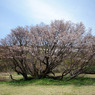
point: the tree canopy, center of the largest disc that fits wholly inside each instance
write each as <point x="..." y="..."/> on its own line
<point x="40" y="50"/>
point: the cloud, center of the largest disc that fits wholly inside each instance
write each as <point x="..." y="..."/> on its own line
<point x="37" y="10"/>
<point x="42" y="11"/>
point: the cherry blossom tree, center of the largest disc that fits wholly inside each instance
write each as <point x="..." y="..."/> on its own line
<point x="39" y="50"/>
<point x="16" y="51"/>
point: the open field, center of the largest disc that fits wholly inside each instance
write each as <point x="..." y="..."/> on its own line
<point x="6" y="89"/>
<point x="78" y="86"/>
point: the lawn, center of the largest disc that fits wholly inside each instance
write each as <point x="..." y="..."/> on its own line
<point x="79" y="86"/>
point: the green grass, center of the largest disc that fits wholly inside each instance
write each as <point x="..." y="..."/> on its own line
<point x="80" y="81"/>
<point x="79" y="86"/>
<point x="32" y="89"/>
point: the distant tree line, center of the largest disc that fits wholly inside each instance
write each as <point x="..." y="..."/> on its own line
<point x="41" y="50"/>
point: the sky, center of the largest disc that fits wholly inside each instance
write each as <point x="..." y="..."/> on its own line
<point x="15" y="13"/>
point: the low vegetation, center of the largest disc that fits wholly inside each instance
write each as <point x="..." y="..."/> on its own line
<point x="6" y="89"/>
<point x="82" y="85"/>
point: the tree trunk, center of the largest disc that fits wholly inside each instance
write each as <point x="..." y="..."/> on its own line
<point x="25" y="76"/>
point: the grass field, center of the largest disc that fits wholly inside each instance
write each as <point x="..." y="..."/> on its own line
<point x="79" y="86"/>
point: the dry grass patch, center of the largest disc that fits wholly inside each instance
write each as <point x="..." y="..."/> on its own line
<point x="6" y="89"/>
